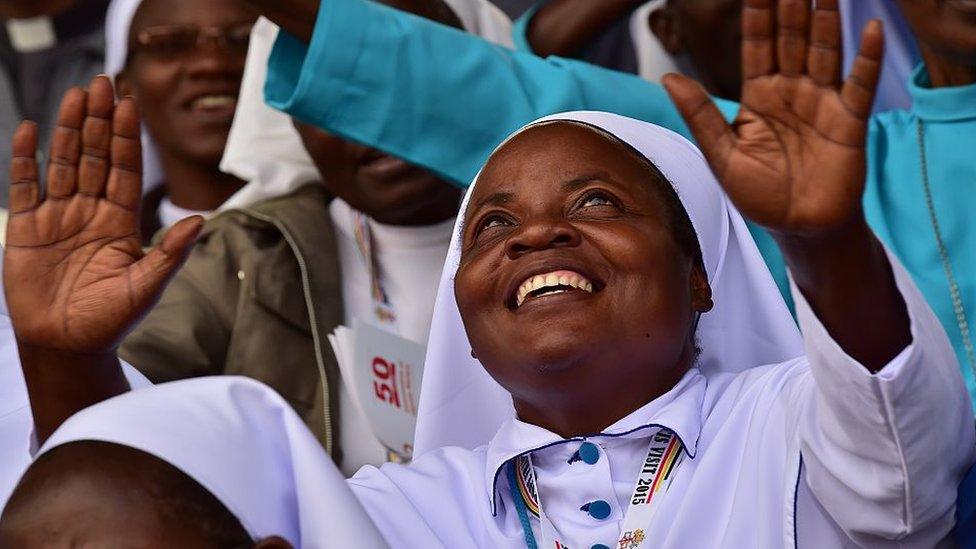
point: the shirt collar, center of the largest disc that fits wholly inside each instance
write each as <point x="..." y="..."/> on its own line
<point x="679" y="410"/>
<point x="940" y="104"/>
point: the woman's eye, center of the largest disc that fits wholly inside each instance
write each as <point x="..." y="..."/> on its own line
<point x="492" y="222"/>
<point x="596" y="199"/>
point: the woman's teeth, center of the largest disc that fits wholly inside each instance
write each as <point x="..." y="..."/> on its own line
<point x="552" y="283"/>
<point x="214" y="102"/>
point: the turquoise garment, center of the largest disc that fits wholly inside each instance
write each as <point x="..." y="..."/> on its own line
<point x="383" y="77"/>
<point x="443" y="99"/>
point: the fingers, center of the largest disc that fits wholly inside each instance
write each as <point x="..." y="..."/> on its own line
<point x="25" y="191"/>
<point x="758" y="52"/>
<point x="824" y="57"/>
<point x="713" y="134"/>
<point x="96" y="137"/>
<point x="150" y="274"/>
<point x="857" y="94"/>
<point x="66" y="145"/>
<point x="792" y="18"/>
<point x="125" y="175"/>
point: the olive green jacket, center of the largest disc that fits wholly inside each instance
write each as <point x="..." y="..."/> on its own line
<point x="257" y="297"/>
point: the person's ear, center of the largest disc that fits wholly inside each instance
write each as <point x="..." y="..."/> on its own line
<point x="664" y="25"/>
<point x="701" y="291"/>
<point x="274" y="542"/>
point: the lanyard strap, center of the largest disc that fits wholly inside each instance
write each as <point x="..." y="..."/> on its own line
<point x="382" y="308"/>
<point x="664" y="455"/>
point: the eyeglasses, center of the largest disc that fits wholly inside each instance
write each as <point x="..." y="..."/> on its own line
<point x="171" y="41"/>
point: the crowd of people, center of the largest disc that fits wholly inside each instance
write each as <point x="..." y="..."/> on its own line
<point x="682" y="273"/>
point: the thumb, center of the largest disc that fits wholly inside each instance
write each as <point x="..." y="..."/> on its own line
<point x="714" y="136"/>
<point x="150" y="274"/>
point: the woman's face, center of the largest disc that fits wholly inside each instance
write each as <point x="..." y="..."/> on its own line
<point x="187" y="95"/>
<point x="570" y="209"/>
<point x="383" y="187"/>
<point x="947" y="27"/>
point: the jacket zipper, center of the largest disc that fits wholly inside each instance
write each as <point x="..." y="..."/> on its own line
<point x="312" y="320"/>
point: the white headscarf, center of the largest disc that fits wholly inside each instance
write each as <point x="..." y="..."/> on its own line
<point x="264" y="148"/>
<point x="118" y="21"/>
<point x="461" y="405"/>
<point x="900" y="56"/>
<point x="242" y="442"/>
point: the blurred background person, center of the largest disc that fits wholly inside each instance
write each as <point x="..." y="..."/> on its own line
<point x="46" y="46"/>
<point x="699" y="38"/>
<point x="286" y="260"/>
<point x="182" y="61"/>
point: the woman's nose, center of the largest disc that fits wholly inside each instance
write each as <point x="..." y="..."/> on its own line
<point x="541" y="235"/>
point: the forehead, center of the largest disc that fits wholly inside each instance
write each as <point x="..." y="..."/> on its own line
<point x="195" y="12"/>
<point x="544" y="157"/>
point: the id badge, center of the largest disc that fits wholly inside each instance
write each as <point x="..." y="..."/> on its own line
<point x="383" y="372"/>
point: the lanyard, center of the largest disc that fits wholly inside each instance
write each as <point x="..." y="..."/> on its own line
<point x="664" y="455"/>
<point x="382" y="308"/>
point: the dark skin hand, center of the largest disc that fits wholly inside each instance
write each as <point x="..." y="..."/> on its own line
<point x="794" y="162"/>
<point x="75" y="273"/>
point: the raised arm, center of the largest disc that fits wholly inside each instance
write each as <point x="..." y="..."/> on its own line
<point x="884" y="424"/>
<point x="75" y="275"/>
<point x="794" y="162"/>
<point x="565" y="27"/>
<point x="433" y="95"/>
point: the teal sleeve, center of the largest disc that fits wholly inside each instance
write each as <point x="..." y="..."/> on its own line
<point x="520" y="30"/>
<point x="436" y="96"/>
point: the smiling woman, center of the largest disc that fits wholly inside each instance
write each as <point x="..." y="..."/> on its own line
<point x="669" y="403"/>
<point x="183" y="62"/>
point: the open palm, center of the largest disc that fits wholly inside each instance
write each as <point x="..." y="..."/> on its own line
<point x="75" y="274"/>
<point x="793" y="160"/>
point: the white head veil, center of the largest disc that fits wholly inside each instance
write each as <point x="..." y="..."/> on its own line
<point x="264" y="148"/>
<point x="242" y="442"/>
<point x="461" y="405"/>
<point x="118" y="21"/>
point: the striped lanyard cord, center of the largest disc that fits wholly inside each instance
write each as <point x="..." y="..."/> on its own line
<point x="383" y="311"/>
<point x="954" y="294"/>
<point x="664" y="455"/>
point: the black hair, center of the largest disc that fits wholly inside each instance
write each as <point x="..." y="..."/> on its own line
<point x="181" y="499"/>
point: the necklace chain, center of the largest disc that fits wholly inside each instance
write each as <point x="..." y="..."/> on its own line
<point x="957" y="304"/>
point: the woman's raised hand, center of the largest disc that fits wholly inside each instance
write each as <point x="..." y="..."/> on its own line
<point x="75" y="275"/>
<point x="794" y="158"/>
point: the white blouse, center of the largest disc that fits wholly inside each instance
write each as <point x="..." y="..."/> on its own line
<point x="816" y="452"/>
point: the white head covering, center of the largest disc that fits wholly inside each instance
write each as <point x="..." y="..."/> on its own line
<point x="461" y="405"/>
<point x="118" y="21"/>
<point x="264" y="148"/>
<point x="243" y="443"/>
